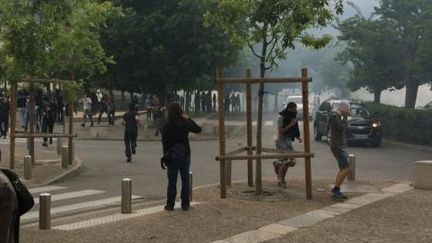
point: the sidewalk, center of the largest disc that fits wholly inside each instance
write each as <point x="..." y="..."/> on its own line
<point x="375" y="212"/>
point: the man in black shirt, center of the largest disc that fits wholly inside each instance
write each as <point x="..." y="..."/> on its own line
<point x="131" y="123"/>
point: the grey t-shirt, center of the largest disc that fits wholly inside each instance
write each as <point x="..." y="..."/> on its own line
<point x="338" y="130"/>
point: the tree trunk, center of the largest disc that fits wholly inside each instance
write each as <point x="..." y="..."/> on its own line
<point x="411" y="94"/>
<point x="377" y="96"/>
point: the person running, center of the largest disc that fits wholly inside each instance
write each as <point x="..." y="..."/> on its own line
<point x="338" y="125"/>
<point x="177" y="154"/>
<point x="288" y="131"/>
<point x="131" y="123"/>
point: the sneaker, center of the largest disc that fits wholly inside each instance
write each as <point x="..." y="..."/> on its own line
<point x="129" y="159"/>
<point x="133" y="150"/>
<point x="338" y="195"/>
<point x="44" y="144"/>
<point x="169" y="208"/>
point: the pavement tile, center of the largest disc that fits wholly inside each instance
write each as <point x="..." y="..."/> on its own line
<point x="253" y="236"/>
<point x="397" y="188"/>
<point x="303" y="220"/>
<point x="336" y="210"/>
<point x="277" y="229"/>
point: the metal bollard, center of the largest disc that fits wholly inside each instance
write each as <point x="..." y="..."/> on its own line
<point x="351" y="176"/>
<point x="145" y="130"/>
<point x="190" y="185"/>
<point x="45" y="211"/>
<point x="65" y="157"/>
<point x="27" y="167"/>
<point x="59" y="146"/>
<point x="73" y="153"/>
<point x="126" y="198"/>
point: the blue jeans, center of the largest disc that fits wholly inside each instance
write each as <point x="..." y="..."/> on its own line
<point x="172" y="172"/>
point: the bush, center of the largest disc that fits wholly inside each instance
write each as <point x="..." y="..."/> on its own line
<point x="405" y="125"/>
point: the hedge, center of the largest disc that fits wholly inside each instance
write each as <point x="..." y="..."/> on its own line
<point x="405" y="125"/>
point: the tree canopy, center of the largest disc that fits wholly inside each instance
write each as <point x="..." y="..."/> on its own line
<point x="161" y="46"/>
<point x="46" y="39"/>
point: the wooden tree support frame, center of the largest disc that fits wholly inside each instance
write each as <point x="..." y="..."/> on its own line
<point x="31" y="134"/>
<point x="225" y="158"/>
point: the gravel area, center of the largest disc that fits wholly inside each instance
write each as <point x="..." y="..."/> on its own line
<point x="216" y="219"/>
<point x="402" y="218"/>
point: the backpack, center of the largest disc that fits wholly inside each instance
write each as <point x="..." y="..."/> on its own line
<point x="25" y="198"/>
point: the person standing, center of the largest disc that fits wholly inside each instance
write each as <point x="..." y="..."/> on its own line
<point x="4" y="117"/>
<point x="131" y="123"/>
<point x="288" y="131"/>
<point x="48" y="119"/>
<point x="87" y="110"/>
<point x="338" y="125"/>
<point x="175" y="141"/>
<point x="158" y="112"/>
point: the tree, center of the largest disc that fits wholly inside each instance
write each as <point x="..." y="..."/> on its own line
<point x="162" y="46"/>
<point x="269" y="27"/>
<point x="412" y="22"/>
<point x="371" y="48"/>
<point x="44" y="39"/>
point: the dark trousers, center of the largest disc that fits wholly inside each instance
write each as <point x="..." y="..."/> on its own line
<point x="130" y="137"/>
<point x="47" y="127"/>
<point x="173" y="171"/>
<point x="4" y="125"/>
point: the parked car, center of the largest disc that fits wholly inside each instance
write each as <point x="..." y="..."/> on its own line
<point x="298" y="99"/>
<point x="362" y="125"/>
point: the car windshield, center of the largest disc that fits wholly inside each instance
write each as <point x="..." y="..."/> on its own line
<point x="358" y="110"/>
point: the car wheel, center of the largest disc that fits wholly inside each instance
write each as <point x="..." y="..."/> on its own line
<point x="377" y="142"/>
<point x="317" y="134"/>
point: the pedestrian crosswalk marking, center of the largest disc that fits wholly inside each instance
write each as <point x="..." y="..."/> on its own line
<point x="70" y="195"/>
<point x="45" y="189"/>
<point x="81" y="206"/>
<point x="112" y="218"/>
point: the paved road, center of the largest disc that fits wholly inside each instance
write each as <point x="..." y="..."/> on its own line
<point x="105" y="164"/>
<point x="99" y="184"/>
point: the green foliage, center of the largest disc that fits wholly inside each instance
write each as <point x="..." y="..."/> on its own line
<point x="48" y="38"/>
<point x="72" y="90"/>
<point x="274" y="25"/>
<point x="412" y="22"/>
<point x="160" y="45"/>
<point x="370" y="48"/>
<point x="403" y="124"/>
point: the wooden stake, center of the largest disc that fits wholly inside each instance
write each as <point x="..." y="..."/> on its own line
<point x="249" y="127"/>
<point x="70" y="139"/>
<point x="308" y="174"/>
<point x="258" y="166"/>
<point x="31" y="112"/>
<point x="221" y="107"/>
<point x="13" y="111"/>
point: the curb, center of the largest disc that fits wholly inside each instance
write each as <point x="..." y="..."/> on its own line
<point x="75" y="170"/>
<point x="409" y="145"/>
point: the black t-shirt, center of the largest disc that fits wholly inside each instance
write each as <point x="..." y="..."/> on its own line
<point x="130" y="120"/>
